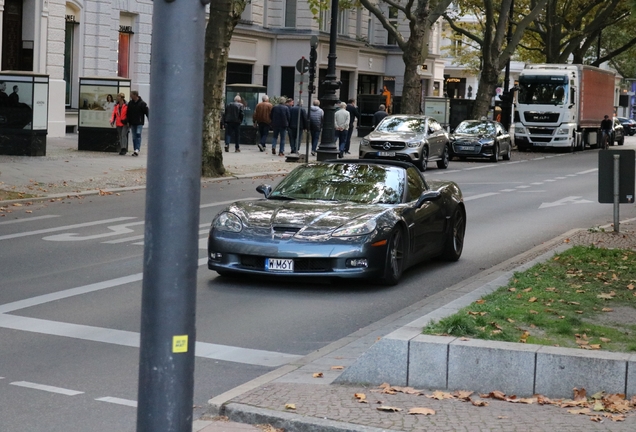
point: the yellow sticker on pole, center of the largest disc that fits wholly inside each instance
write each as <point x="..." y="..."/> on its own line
<point x="180" y="343"/>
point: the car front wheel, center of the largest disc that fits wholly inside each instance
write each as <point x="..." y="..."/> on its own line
<point x="495" y="154"/>
<point x="443" y="163"/>
<point x="508" y="154"/>
<point x="394" y="258"/>
<point x="422" y="164"/>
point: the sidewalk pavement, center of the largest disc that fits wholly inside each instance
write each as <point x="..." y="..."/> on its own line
<point x="317" y="403"/>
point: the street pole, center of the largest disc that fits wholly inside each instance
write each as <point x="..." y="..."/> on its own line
<point x="313" y="57"/>
<point x="327" y="148"/>
<point x="171" y="237"/>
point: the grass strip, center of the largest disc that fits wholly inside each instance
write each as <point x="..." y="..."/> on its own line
<point x="584" y="297"/>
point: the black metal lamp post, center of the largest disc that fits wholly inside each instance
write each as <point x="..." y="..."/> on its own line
<point x="327" y="148"/>
<point x="507" y="95"/>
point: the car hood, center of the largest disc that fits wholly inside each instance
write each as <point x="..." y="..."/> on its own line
<point x="309" y="216"/>
<point x="395" y="136"/>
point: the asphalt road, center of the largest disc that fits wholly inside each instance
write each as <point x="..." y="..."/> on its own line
<point x="70" y="292"/>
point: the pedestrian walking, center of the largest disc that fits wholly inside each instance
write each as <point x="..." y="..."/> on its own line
<point x="233" y="117"/>
<point x="297" y="124"/>
<point x="137" y="111"/>
<point x="280" y="123"/>
<point x="316" y="118"/>
<point x="379" y="115"/>
<point x="119" y="119"/>
<point x="354" y="115"/>
<point x="263" y="119"/>
<point x="341" y="119"/>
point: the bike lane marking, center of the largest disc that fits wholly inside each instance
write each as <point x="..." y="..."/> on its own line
<point x="63" y="228"/>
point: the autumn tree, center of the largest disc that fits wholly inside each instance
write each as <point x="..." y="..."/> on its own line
<point x="490" y="35"/>
<point x="569" y="32"/>
<point x="224" y="15"/>
<point x="420" y="15"/>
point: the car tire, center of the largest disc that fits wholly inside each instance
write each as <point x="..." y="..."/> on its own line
<point x="495" y="154"/>
<point x="621" y="141"/>
<point x="454" y="244"/>
<point x="395" y="257"/>
<point x="507" y="154"/>
<point x="443" y="163"/>
<point x="422" y="164"/>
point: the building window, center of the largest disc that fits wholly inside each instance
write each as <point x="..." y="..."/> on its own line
<point x="287" y="75"/>
<point x="370" y="30"/>
<point x="393" y="15"/>
<point x="359" y="23"/>
<point x="456" y="42"/>
<point x="69" y="60"/>
<point x="265" y="75"/>
<point x="343" y="22"/>
<point x="325" y="19"/>
<point x="290" y="13"/>
<point x="238" y="73"/>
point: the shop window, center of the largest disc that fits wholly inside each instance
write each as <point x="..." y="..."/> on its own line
<point x="124" y="47"/>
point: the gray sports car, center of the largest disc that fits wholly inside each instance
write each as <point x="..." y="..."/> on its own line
<point x="341" y="218"/>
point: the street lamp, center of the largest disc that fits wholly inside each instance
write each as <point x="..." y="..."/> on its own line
<point x="327" y="148"/>
<point x="507" y="95"/>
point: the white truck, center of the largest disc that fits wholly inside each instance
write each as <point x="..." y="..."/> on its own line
<point x="562" y="106"/>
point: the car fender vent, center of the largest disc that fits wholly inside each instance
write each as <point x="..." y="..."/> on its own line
<point x="285" y="229"/>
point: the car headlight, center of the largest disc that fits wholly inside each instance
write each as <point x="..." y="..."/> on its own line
<point x="521" y="130"/>
<point x="364" y="142"/>
<point x="487" y="143"/>
<point x="563" y="131"/>
<point x="227" y="221"/>
<point x="355" y="228"/>
<point x="414" y="144"/>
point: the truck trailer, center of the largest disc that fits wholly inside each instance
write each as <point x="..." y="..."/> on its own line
<point x="562" y="105"/>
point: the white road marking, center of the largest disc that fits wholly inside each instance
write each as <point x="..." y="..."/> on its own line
<point x="484" y="195"/>
<point x="537" y="183"/>
<point x="28" y="219"/>
<point x="131" y="339"/>
<point x="508" y="190"/>
<point x="549" y="180"/>
<point x="115" y="230"/>
<point x="516" y="162"/>
<point x="565" y="201"/>
<point x="47" y="388"/>
<point x="214" y="204"/>
<point x="141" y="237"/>
<point x="478" y="167"/>
<point x="523" y="187"/>
<point x="118" y="401"/>
<point x="561" y="178"/>
<point x="588" y="171"/>
<point x="63" y="228"/>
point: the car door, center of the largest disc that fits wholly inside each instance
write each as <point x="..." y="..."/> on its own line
<point x="435" y="138"/>
<point x="426" y="221"/>
<point x="503" y="137"/>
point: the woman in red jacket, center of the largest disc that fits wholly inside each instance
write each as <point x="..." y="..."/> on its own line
<point x="119" y="119"/>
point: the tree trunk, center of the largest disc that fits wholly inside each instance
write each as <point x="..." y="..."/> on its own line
<point x="224" y="15"/>
<point x="412" y="89"/>
<point x="487" y="84"/>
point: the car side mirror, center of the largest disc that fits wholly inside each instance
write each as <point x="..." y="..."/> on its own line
<point x="265" y="189"/>
<point x="430" y="195"/>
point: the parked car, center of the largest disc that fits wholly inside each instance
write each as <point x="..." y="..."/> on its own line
<point x="340" y="219"/>
<point x="410" y="138"/>
<point x="629" y="125"/>
<point x="481" y="139"/>
<point x="618" y="133"/>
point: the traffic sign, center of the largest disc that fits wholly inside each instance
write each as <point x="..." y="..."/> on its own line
<point x="302" y="65"/>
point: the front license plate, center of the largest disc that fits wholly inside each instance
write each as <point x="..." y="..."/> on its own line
<point x="540" y="144"/>
<point x="386" y="154"/>
<point x="465" y="148"/>
<point x="279" y="265"/>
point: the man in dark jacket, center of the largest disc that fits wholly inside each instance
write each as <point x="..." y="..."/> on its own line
<point x="280" y="123"/>
<point x="379" y="115"/>
<point x="233" y="117"/>
<point x="353" y="115"/>
<point x="137" y="110"/>
<point x="297" y="124"/>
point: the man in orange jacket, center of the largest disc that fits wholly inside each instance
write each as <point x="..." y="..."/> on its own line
<point x="119" y="119"/>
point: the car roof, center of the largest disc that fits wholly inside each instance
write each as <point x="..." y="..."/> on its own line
<point x="384" y="162"/>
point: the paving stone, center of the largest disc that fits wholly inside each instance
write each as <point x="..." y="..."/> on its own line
<point x="428" y="361"/>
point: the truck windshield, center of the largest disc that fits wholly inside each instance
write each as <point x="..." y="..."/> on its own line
<point x="545" y="90"/>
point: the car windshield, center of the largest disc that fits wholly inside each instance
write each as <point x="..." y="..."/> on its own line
<point x="544" y="90"/>
<point x="475" y="128"/>
<point x="402" y="124"/>
<point x="360" y="183"/>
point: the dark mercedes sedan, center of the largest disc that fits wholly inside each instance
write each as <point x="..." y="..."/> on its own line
<point x="481" y="139"/>
<point x="340" y="219"/>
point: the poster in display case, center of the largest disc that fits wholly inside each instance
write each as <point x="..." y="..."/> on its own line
<point x="97" y="99"/>
<point x="24" y="108"/>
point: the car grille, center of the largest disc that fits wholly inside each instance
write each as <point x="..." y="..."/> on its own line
<point x="541" y="139"/>
<point x="380" y="145"/>
<point x="475" y="147"/>
<point x="538" y="117"/>
<point x="301" y="265"/>
<point x="541" y="131"/>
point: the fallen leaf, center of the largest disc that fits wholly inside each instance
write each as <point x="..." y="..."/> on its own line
<point x="502" y="417"/>
<point x="574" y="303"/>
<point x="16" y="205"/>
<point x="630" y="286"/>
<point x="496" y="395"/>
<point x="580" y="291"/>
<point x="360" y="396"/>
<point x="527" y="290"/>
<point x="496" y="332"/>
<point x="480" y="301"/>
<point x="579" y="411"/>
<point x="29" y="211"/>
<point x="533" y="312"/>
<point x="463" y="395"/>
<point x="551" y="289"/>
<point x="606" y="296"/>
<point x="512" y="289"/>
<point x="510" y="320"/>
<point x="440" y="395"/>
<point x="605" y="340"/>
<point x="598" y="406"/>
<point x="421" y="411"/>
<point x="479" y="402"/>
<point x="524" y="337"/>
<point x="337" y="367"/>
<point x="607" y="310"/>
<point x="579" y="394"/>
<point x="290" y="406"/>
<point x="388" y="408"/>
<point x="597" y="419"/>
<point x="464" y="339"/>
<point x="317" y="375"/>
<point x="532" y="299"/>
<point x="595" y="346"/>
